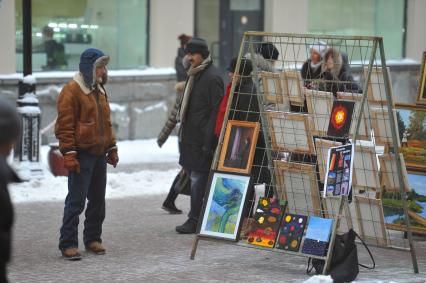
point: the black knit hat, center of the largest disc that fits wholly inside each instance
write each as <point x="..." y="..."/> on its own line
<point x="268" y="51"/>
<point x="197" y="45"/>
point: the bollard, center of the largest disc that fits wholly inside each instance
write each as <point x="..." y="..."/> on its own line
<point x="27" y="151"/>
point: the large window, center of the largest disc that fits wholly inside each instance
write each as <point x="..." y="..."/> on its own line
<point x="63" y="29"/>
<point x="361" y="17"/>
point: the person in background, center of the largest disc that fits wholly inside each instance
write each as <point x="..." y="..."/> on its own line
<point x="179" y="65"/>
<point x="55" y="52"/>
<point x="10" y="129"/>
<point x="197" y="114"/>
<point x="336" y="74"/>
<point x="265" y="57"/>
<point x="311" y="69"/>
<point x="169" y="203"/>
<point x="87" y="142"/>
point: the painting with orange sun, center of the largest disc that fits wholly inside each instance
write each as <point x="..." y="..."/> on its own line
<point x="340" y="118"/>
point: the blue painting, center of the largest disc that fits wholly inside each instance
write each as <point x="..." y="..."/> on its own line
<point x="224" y="205"/>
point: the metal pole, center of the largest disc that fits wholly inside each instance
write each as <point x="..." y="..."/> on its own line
<point x="27" y="32"/>
<point x="395" y="151"/>
<point x="364" y="91"/>
<point x="264" y="120"/>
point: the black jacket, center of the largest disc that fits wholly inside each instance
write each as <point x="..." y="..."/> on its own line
<point x="308" y="73"/>
<point x="7" y="175"/>
<point x="197" y="139"/>
<point x="245" y="106"/>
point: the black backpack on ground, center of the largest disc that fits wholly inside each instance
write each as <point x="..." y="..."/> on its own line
<point x="344" y="260"/>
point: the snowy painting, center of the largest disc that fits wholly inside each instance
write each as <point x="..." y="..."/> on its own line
<point x="224" y="206"/>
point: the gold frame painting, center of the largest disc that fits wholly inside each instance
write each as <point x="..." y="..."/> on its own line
<point x="371" y="220"/>
<point x="319" y="104"/>
<point x="290" y="132"/>
<point x="380" y="122"/>
<point x="293" y="87"/>
<point x="377" y="81"/>
<point x="421" y="90"/>
<point x="389" y="172"/>
<point x="410" y="119"/>
<point x="272" y="95"/>
<point x="302" y="193"/>
<point x="238" y="158"/>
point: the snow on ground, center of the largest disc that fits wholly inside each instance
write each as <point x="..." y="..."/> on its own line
<point x="119" y="185"/>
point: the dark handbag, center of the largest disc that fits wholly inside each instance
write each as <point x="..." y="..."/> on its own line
<point x="344" y="260"/>
<point x="182" y="183"/>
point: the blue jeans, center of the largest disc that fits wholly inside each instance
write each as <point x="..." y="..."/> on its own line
<point x="198" y="189"/>
<point x="90" y="184"/>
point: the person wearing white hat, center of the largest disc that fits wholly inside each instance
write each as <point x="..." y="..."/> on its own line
<point x="311" y="69"/>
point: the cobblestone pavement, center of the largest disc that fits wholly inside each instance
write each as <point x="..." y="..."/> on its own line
<point x="142" y="246"/>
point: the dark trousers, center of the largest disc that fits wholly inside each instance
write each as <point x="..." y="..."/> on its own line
<point x="3" y="277"/>
<point x="173" y="194"/>
<point x="198" y="189"/>
<point x="90" y="184"/>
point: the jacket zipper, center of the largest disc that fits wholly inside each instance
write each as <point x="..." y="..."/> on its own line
<point x="101" y="120"/>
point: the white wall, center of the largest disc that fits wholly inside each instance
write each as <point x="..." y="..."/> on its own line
<point x="287" y="16"/>
<point x="168" y="19"/>
<point x="7" y="32"/>
<point x="416" y="23"/>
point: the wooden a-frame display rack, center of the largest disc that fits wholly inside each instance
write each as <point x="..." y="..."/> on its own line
<point x="287" y="44"/>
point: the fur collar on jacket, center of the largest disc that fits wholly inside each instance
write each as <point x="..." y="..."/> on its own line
<point x="78" y="78"/>
<point x="337" y="59"/>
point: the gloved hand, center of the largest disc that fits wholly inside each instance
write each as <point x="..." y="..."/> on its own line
<point x="71" y="162"/>
<point x="112" y="157"/>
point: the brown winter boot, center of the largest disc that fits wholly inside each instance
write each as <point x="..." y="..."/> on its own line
<point x="96" y="248"/>
<point x="71" y="254"/>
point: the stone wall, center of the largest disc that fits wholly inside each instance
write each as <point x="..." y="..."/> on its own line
<point x="140" y="103"/>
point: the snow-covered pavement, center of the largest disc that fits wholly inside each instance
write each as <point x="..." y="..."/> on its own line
<point x="119" y="185"/>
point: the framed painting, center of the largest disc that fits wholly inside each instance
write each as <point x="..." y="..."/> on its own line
<point x="366" y="171"/>
<point x="319" y="105"/>
<point x="381" y="124"/>
<point x="290" y="132"/>
<point x="321" y="147"/>
<point x="224" y="205"/>
<point x="364" y="128"/>
<point x="293" y="87"/>
<point x="389" y="173"/>
<point x="411" y="120"/>
<point x="371" y="221"/>
<point x="416" y="200"/>
<point x="376" y="91"/>
<point x="239" y="145"/>
<point x="421" y="91"/>
<point x="297" y="184"/>
<point x="272" y="87"/>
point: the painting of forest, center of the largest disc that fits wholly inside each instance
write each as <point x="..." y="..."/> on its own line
<point x="412" y="132"/>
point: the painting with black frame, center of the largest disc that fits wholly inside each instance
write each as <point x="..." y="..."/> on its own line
<point x="224" y="205"/>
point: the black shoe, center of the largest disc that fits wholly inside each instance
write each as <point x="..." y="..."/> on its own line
<point x="171" y="208"/>
<point x="189" y="227"/>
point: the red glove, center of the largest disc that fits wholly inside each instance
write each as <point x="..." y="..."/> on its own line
<point x="112" y="157"/>
<point x="71" y="162"/>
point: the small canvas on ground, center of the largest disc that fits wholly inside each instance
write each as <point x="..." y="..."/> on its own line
<point x="291" y="232"/>
<point x="317" y="236"/>
<point x="268" y="216"/>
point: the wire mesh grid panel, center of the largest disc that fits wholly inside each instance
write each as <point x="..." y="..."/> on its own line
<point x="291" y="85"/>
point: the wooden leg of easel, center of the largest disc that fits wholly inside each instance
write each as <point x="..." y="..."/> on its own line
<point x="194" y="247"/>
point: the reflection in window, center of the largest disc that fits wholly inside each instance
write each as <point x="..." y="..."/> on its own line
<point x="63" y="29"/>
<point x="361" y="17"/>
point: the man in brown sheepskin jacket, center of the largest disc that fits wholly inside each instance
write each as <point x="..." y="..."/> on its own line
<point x="87" y="141"/>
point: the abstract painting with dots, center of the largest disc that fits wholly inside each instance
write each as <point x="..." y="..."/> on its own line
<point x="267" y="218"/>
<point x="291" y="232"/>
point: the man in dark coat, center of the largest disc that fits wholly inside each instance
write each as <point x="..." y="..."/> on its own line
<point x="10" y="128"/>
<point x="197" y="114"/>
